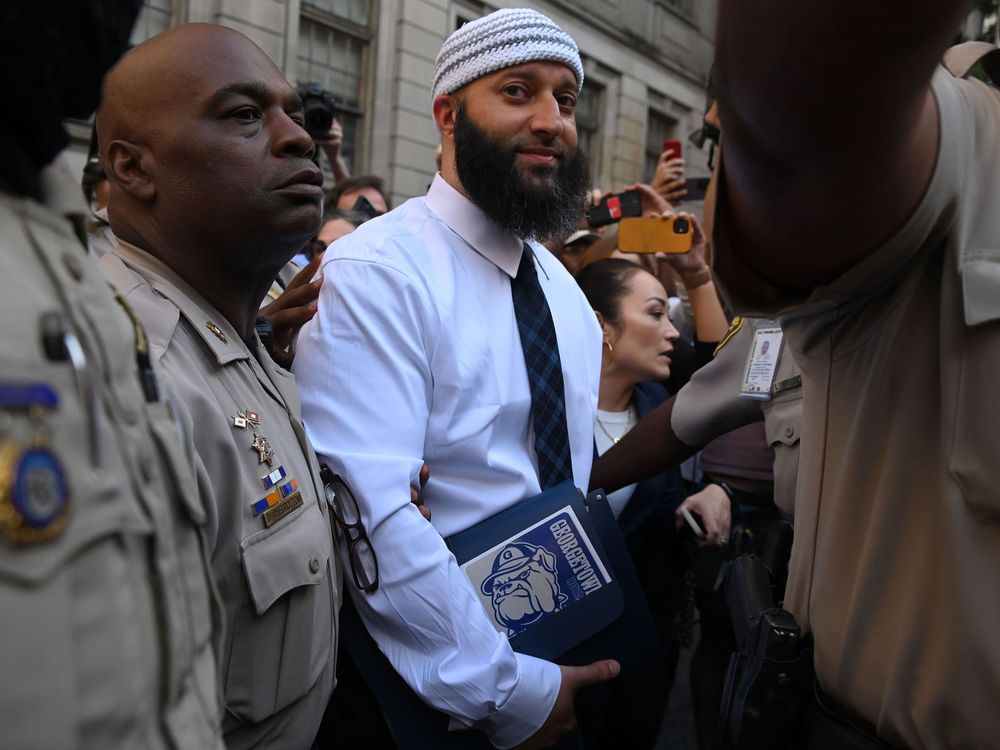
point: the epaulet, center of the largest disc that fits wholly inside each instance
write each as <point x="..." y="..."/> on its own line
<point x="734" y="328"/>
<point x="161" y="315"/>
<point x="962" y="58"/>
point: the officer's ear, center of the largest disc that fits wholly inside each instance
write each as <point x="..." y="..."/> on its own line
<point x="132" y="168"/>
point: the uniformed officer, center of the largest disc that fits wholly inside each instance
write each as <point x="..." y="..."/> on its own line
<point x="892" y="314"/>
<point x="106" y="600"/>
<point x="751" y="378"/>
<point x="212" y="191"/>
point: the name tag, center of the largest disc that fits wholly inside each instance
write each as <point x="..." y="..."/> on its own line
<point x="762" y="363"/>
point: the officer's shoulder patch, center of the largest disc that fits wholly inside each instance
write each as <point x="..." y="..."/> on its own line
<point x="734" y="328"/>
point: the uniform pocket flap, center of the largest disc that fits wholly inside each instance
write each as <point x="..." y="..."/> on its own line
<point x="295" y="552"/>
<point x="981" y="286"/>
<point x="783" y="419"/>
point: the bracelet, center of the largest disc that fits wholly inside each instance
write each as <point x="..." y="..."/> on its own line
<point x="698" y="278"/>
<point x="734" y="504"/>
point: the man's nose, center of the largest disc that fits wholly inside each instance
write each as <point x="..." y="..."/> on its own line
<point x="291" y="138"/>
<point x="546" y="117"/>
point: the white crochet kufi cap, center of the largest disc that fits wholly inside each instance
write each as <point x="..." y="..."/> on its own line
<point x="507" y="37"/>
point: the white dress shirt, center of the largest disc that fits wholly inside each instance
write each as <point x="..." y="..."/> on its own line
<point x="414" y="356"/>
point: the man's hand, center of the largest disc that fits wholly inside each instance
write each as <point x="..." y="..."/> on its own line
<point x="562" y="718"/>
<point x="668" y="180"/>
<point x="712" y="504"/>
<point x="331" y="142"/>
<point x="653" y="204"/>
<point x="292" y="308"/>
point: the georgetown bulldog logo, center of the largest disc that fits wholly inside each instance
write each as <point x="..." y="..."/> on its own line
<point x="523" y="586"/>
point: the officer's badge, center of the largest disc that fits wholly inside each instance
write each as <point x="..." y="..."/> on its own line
<point x="34" y="495"/>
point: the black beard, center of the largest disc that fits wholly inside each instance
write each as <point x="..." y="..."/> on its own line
<point x="489" y="173"/>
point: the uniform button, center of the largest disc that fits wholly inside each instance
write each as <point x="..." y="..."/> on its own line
<point x="314" y="565"/>
<point x="789" y="430"/>
<point x="74" y="265"/>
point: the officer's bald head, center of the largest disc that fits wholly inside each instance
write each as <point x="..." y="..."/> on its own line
<point x="161" y="74"/>
<point x="199" y="132"/>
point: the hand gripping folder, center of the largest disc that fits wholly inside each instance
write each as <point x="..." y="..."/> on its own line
<point x="553" y="573"/>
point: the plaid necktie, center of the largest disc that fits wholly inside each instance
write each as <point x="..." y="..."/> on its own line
<point x="541" y="357"/>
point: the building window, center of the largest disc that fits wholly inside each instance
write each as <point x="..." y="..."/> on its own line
<point x="588" y="123"/>
<point x="355" y="11"/>
<point x="659" y="128"/>
<point x="334" y="43"/>
<point x="684" y="7"/>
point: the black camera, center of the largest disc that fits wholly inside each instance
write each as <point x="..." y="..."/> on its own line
<point x="681" y="226"/>
<point x="320" y="108"/>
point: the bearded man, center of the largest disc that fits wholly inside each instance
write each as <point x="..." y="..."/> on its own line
<point x="422" y="347"/>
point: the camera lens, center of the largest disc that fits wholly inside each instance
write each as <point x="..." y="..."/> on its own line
<point x="681" y="226"/>
<point x="318" y="118"/>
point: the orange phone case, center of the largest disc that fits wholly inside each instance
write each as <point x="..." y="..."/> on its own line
<point x="653" y="236"/>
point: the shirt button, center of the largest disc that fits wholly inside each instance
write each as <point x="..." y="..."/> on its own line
<point x="789" y="430"/>
<point x="314" y="565"/>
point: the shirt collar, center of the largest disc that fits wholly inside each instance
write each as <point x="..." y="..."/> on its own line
<point x="217" y="332"/>
<point x="467" y="220"/>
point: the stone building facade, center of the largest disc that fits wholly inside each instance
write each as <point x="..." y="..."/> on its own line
<point x="647" y="65"/>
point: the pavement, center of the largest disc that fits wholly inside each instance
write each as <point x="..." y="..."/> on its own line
<point x="677" y="731"/>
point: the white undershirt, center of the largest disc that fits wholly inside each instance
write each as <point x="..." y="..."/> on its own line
<point x="608" y="425"/>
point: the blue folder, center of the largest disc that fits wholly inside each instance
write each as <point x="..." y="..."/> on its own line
<point x="611" y="621"/>
<point x="542" y="573"/>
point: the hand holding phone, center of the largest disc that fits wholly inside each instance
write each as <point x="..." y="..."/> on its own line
<point x="657" y="235"/>
<point x="693" y="525"/>
<point x="673" y="147"/>
<point x="615" y="207"/>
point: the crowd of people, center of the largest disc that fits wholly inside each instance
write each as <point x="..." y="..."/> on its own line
<point x="245" y="419"/>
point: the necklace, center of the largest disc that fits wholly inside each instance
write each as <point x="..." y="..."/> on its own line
<point x="614" y="440"/>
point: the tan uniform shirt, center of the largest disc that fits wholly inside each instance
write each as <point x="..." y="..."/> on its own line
<point x="896" y="561"/>
<point x="710" y="405"/>
<point x="106" y="606"/>
<point x="279" y="582"/>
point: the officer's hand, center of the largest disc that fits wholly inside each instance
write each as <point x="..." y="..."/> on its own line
<point x="712" y="504"/>
<point x="562" y="718"/>
<point x="668" y="180"/>
<point x="292" y="308"/>
<point x="415" y="492"/>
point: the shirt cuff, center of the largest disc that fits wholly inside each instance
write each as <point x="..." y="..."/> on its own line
<point x="528" y="705"/>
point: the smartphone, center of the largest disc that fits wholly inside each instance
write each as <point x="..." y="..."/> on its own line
<point x="694" y="526"/>
<point x="673" y="147"/>
<point x="615" y="207"/>
<point x="696" y="188"/>
<point x="654" y="235"/>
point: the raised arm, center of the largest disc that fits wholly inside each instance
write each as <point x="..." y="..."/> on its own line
<point x="830" y="127"/>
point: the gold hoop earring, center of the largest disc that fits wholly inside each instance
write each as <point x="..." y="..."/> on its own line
<point x="611" y="349"/>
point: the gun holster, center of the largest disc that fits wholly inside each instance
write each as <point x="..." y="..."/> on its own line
<point x="770" y="676"/>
